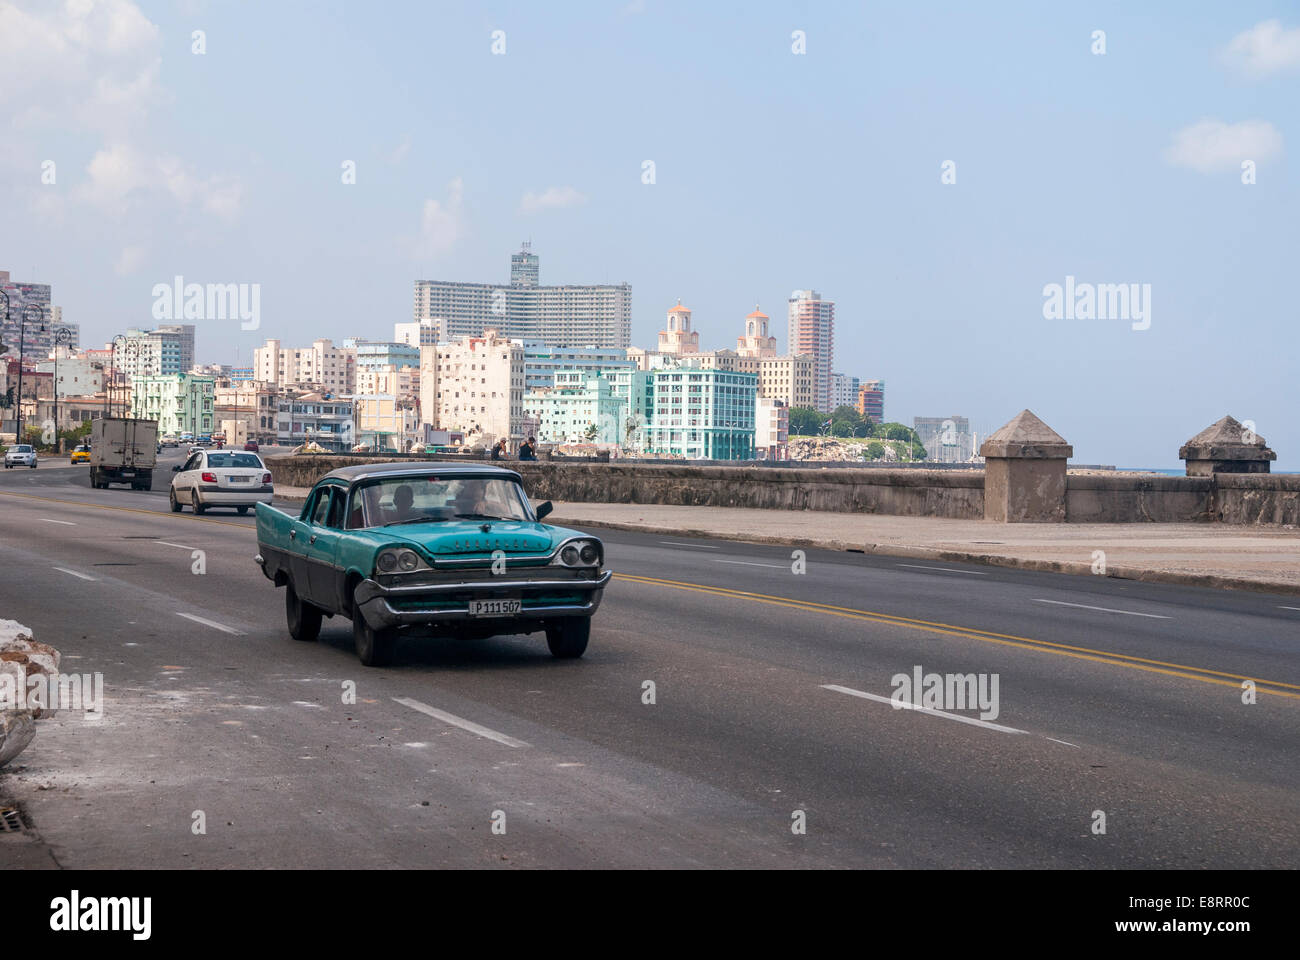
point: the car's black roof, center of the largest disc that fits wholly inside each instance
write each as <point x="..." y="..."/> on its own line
<point x="363" y="470"/>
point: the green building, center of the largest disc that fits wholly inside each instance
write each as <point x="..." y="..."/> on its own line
<point x="180" y="402"/>
<point x="702" y="414"/>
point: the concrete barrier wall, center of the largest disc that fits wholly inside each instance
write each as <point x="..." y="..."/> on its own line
<point x="1132" y="499"/>
<point x="1256" y="498"/>
<point x="918" y="493"/>
<point x="1224" y="498"/>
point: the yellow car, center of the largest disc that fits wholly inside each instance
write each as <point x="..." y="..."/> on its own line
<point x="80" y="454"/>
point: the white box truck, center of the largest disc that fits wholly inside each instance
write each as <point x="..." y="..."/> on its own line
<point x="123" y="450"/>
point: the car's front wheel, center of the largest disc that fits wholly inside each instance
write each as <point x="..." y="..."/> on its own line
<point x="304" y="619"/>
<point x="175" y="504"/>
<point x="568" y="638"/>
<point x="374" y="647"/>
<point x="195" y="503"/>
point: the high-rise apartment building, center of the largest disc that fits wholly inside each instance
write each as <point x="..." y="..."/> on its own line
<point x="844" y="390"/>
<point x="331" y="368"/>
<point x="157" y="353"/>
<point x="596" y="314"/>
<point x="30" y="302"/>
<point x="474" y="384"/>
<point x="871" y="400"/>
<point x="812" y="331"/>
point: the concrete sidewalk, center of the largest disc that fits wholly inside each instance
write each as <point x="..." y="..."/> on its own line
<point x="1196" y="554"/>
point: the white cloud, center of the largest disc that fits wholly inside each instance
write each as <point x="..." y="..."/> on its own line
<point x="129" y="260"/>
<point x="81" y="63"/>
<point x="1265" y="48"/>
<point x="441" y="224"/>
<point x="552" y="198"/>
<point x="120" y="174"/>
<point x="1211" y="146"/>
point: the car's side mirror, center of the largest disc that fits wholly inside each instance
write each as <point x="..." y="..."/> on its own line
<point x="544" y="509"/>
<point x="176" y="469"/>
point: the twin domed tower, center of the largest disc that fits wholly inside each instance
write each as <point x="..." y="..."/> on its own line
<point x="680" y="340"/>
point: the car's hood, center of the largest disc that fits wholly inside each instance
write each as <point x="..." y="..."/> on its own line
<point x="468" y="537"/>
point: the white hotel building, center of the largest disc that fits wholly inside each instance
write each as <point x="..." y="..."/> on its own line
<point x="598" y="315"/>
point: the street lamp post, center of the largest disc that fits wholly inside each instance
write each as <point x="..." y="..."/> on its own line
<point x="62" y="335"/>
<point x="22" y="333"/>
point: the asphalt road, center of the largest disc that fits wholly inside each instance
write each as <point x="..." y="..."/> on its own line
<point x="771" y="696"/>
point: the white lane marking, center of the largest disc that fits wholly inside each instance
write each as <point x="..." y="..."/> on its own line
<point x="66" y="523"/>
<point x="211" y="623"/>
<point x="1084" y="606"/>
<point x="917" y="566"/>
<point x="898" y="704"/>
<point x="1288" y="608"/>
<point x="179" y="545"/>
<point x="461" y="722"/>
<point x="701" y="546"/>
<point x="1066" y="742"/>
<point x="74" y="573"/>
<point x="749" y="563"/>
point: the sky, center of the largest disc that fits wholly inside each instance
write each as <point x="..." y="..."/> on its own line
<point x="794" y="145"/>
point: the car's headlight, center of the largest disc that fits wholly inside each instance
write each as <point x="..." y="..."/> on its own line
<point x="400" y="560"/>
<point x="580" y="553"/>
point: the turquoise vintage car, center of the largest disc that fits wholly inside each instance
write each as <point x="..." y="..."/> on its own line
<point x="439" y="549"/>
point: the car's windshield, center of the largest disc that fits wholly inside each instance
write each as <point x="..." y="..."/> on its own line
<point x="22" y="448"/>
<point x="431" y="498"/>
<point x="233" y="460"/>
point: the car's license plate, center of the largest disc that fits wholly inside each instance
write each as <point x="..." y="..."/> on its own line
<point x="494" y="608"/>
<point x="240" y="479"/>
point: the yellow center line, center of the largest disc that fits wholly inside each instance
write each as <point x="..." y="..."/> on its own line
<point x="1027" y="643"/>
<point x="1202" y="674"/>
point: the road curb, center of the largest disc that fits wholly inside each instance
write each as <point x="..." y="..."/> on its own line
<point x="906" y="551"/>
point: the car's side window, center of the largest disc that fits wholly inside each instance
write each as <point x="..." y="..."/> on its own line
<point x="356" y="516"/>
<point x="322" y="507"/>
<point x="192" y="463"/>
<point x="337" y="505"/>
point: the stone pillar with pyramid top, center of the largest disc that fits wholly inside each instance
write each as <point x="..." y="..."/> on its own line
<point x="1227" y="446"/>
<point x="1024" y="472"/>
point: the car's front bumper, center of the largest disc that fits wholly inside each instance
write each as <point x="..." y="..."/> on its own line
<point x="437" y="603"/>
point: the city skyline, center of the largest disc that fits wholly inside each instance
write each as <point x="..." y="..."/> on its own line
<point x="1066" y="165"/>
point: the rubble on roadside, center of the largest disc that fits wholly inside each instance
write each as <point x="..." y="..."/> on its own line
<point x="21" y="658"/>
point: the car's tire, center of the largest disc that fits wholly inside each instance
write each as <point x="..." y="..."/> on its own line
<point x="195" y="504"/>
<point x="304" y="619"/>
<point x="243" y="511"/>
<point x="374" y="647"/>
<point x="568" y="638"/>
<point x="176" y="505"/>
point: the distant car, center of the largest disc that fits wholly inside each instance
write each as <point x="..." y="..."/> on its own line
<point x="251" y="445"/>
<point x="397" y="547"/>
<point x="204" y="441"/>
<point x="169" y="440"/>
<point x="220" y="478"/>
<point x="20" y="455"/>
<point x="80" y="454"/>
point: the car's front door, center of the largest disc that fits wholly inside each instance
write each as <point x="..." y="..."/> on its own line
<point x="188" y="478"/>
<point x="322" y="553"/>
<point x="300" y="534"/>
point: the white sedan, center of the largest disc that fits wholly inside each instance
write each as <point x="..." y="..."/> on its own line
<point x="21" y="455"/>
<point x="220" y="478"/>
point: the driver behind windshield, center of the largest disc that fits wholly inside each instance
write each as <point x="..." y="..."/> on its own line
<point x="403" y="497"/>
